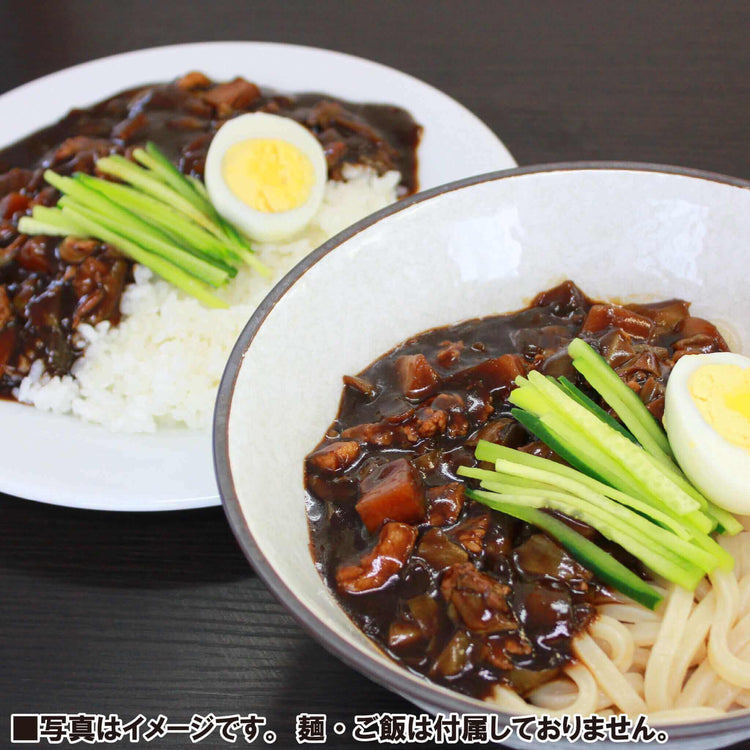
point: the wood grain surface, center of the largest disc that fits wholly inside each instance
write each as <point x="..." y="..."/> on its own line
<point x="160" y="613"/>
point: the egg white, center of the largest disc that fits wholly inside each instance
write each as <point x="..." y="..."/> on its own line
<point x="257" y="225"/>
<point x="718" y="468"/>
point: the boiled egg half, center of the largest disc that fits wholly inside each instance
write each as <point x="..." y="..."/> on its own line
<point x="707" y="418"/>
<point x="266" y="175"/>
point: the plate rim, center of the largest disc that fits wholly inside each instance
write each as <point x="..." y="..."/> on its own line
<point x="182" y="46"/>
<point x="410" y="687"/>
<point x="97" y="501"/>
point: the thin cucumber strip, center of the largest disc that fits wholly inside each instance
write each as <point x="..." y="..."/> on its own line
<point x="682" y="572"/>
<point x="680" y="479"/>
<point x="578" y="395"/>
<point x="63" y="184"/>
<point x="613" y="472"/>
<point x="130" y="225"/>
<point x="198" y="186"/>
<point x="606" y="382"/>
<point x="50" y="217"/>
<point x="163" y="169"/>
<point x="142" y="179"/>
<point x="575" y="486"/>
<point x="231" y="232"/>
<point x="557" y="433"/>
<point x="147" y="205"/>
<point x="490" y="452"/>
<point x="729" y="524"/>
<point x="168" y="271"/>
<point x="595" y="559"/>
<point x="686" y="575"/>
<point x="190" y="187"/>
<point x="29" y="225"/>
<point x="560" y="436"/>
<point x="565" y="440"/>
<point x="253" y="262"/>
<point x="241" y="246"/>
<point x="629" y="456"/>
<point x="710" y="545"/>
<point x="236" y="242"/>
<point x="228" y="227"/>
<point x="77" y="229"/>
<point x="96" y="201"/>
<point x="676" y="475"/>
<point x="170" y="222"/>
<point x="644" y="436"/>
<point x="120" y="167"/>
<point x="494" y="476"/>
<point x="594" y="513"/>
<point x="153" y="158"/>
<point x="195" y="266"/>
<point x="635" y="522"/>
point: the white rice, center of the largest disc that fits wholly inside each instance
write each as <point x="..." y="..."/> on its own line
<point x="162" y="364"/>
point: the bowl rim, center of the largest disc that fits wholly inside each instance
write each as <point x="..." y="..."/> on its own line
<point x="412" y="690"/>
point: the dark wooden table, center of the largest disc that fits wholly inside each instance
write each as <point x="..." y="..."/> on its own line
<point x="160" y="613"/>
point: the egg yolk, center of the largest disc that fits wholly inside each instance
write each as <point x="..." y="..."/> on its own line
<point x="722" y="395"/>
<point x="268" y="174"/>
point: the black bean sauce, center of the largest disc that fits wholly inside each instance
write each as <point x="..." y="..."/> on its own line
<point x="48" y="286"/>
<point x="450" y="589"/>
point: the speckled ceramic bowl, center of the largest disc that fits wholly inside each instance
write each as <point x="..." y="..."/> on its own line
<point x="476" y="247"/>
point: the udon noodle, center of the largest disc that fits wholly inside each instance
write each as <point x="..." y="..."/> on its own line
<point x="688" y="661"/>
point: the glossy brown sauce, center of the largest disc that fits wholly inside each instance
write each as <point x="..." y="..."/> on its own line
<point x="48" y="286"/>
<point x="450" y="589"/>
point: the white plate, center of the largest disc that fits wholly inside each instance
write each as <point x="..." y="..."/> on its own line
<point x="65" y="461"/>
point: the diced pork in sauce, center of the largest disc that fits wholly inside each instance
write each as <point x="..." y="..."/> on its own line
<point x="451" y="589"/>
<point x="50" y="287"/>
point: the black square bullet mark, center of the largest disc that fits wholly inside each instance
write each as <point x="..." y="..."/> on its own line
<point x="24" y="728"/>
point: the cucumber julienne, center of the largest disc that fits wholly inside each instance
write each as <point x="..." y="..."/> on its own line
<point x="629" y="407"/>
<point x="160" y="218"/>
<point x="639" y="419"/>
<point x="621" y="480"/>
<point x="577" y="425"/>
<point x="606" y="567"/>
